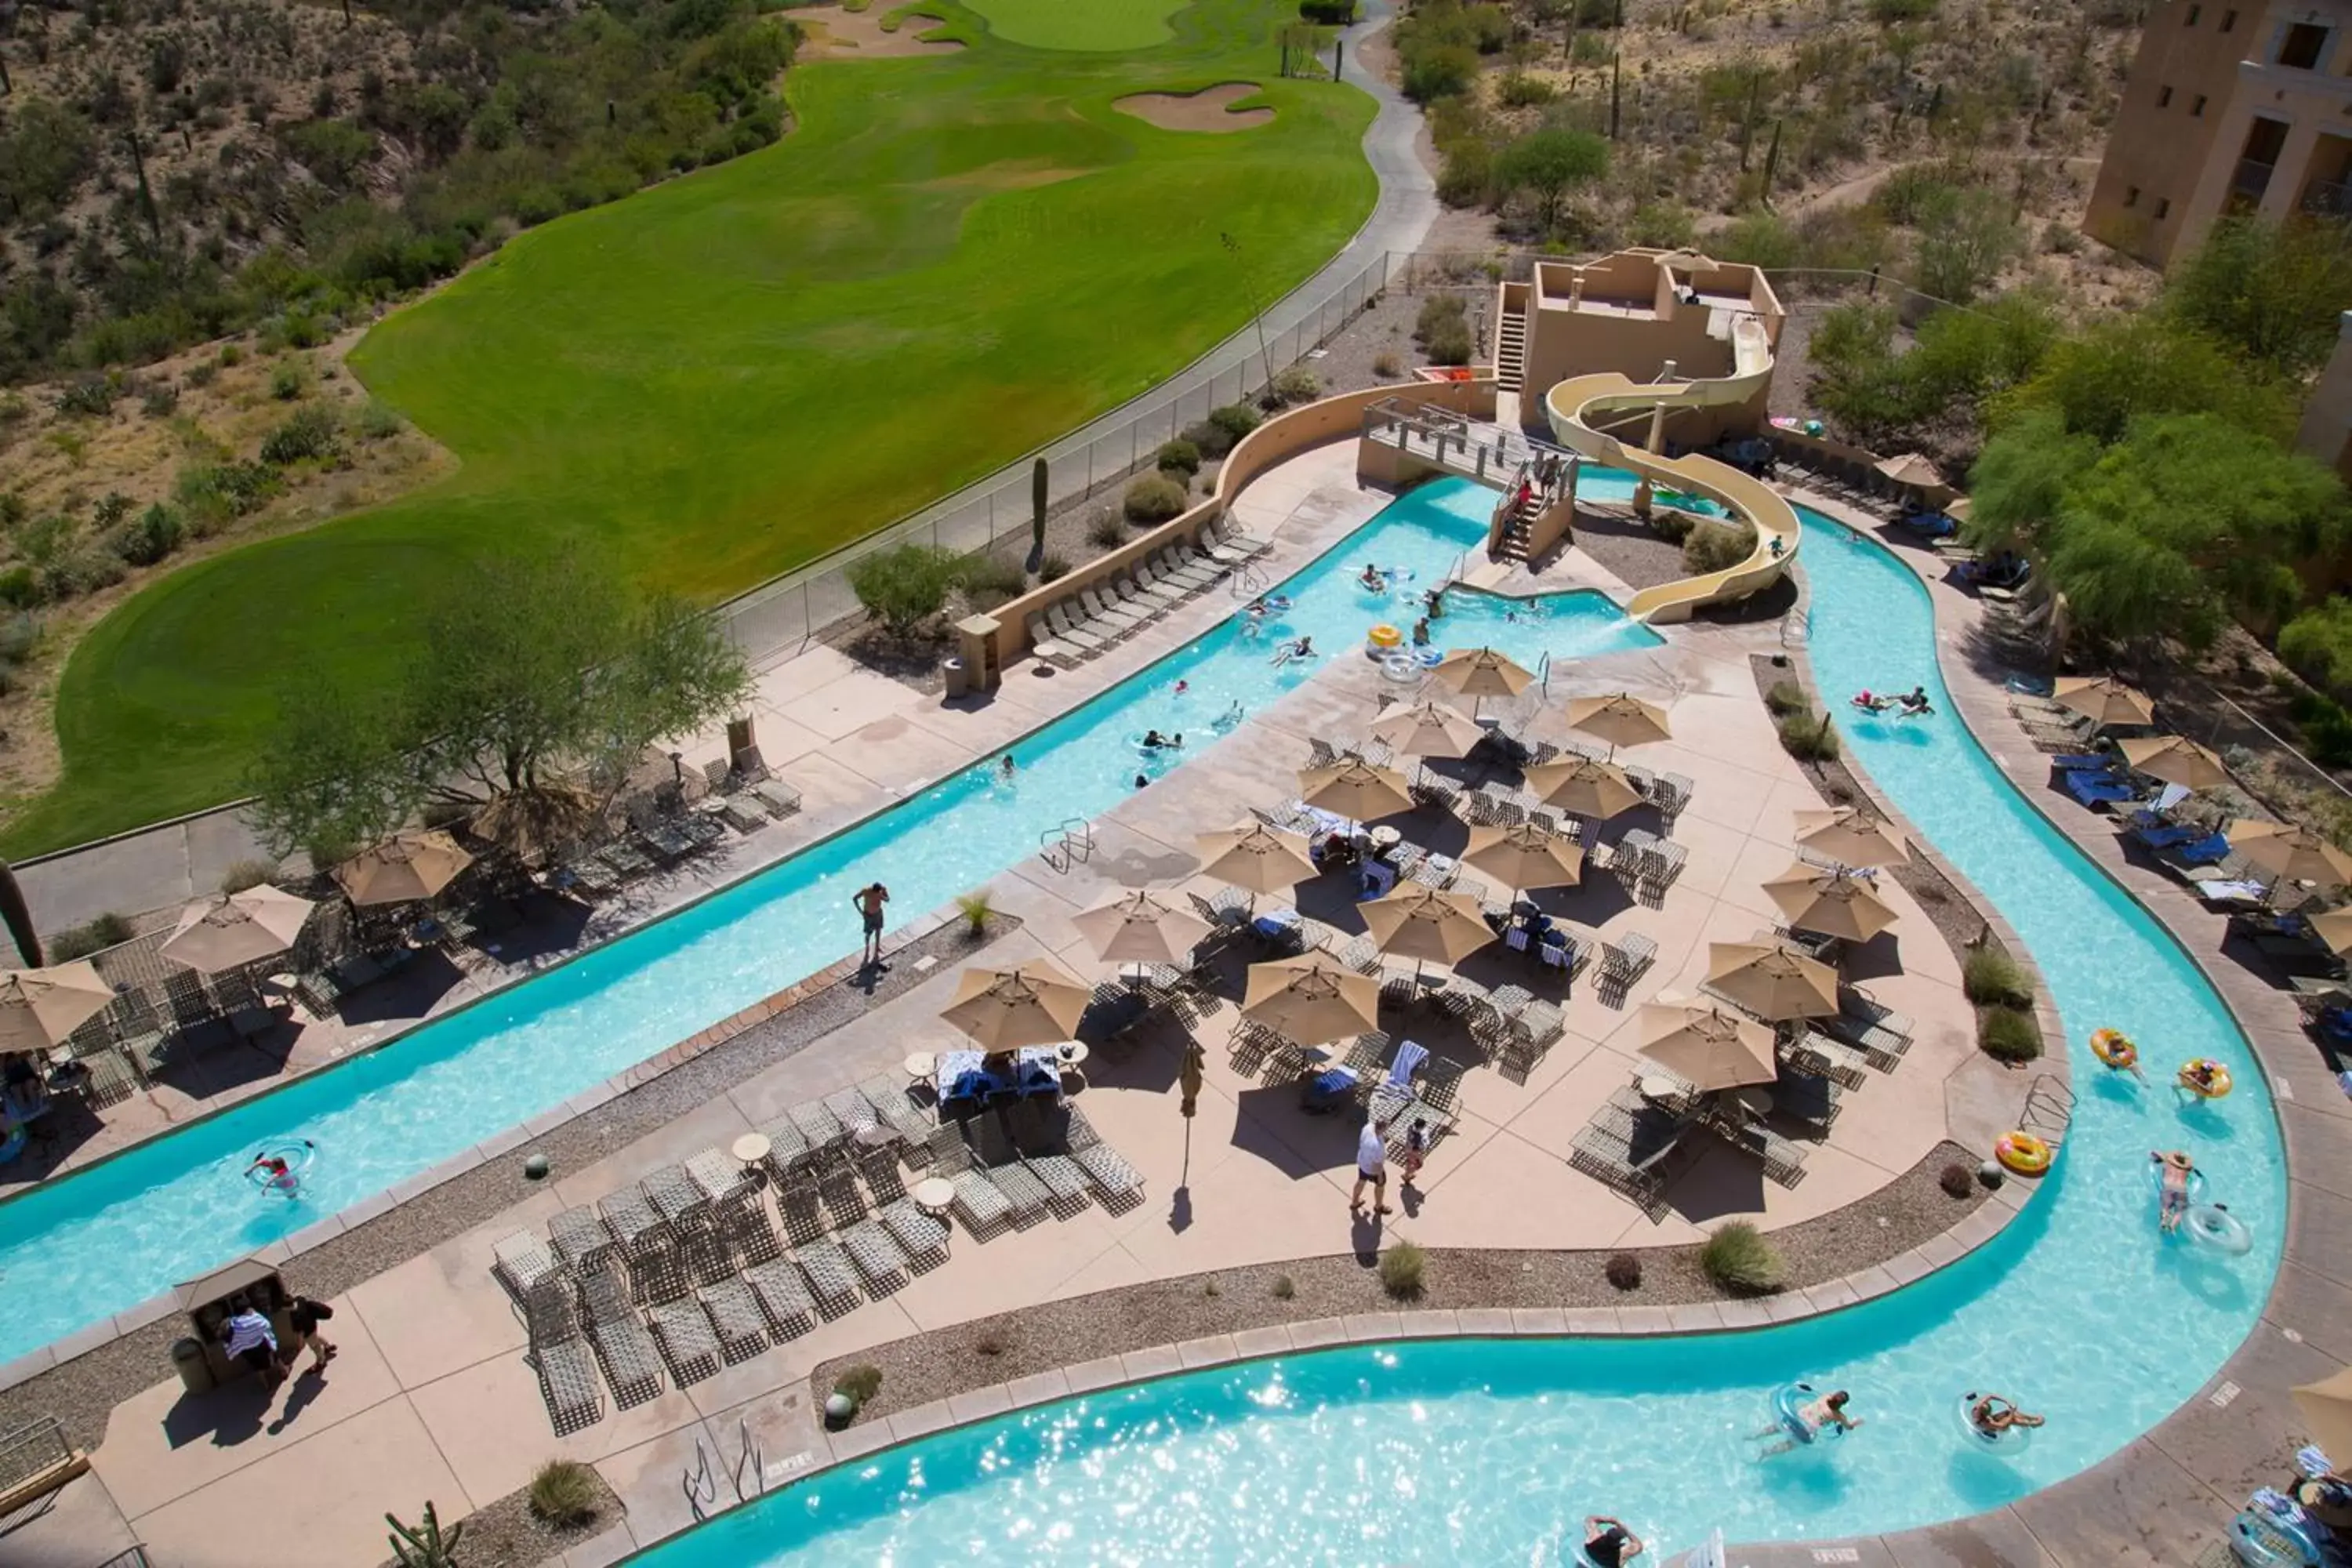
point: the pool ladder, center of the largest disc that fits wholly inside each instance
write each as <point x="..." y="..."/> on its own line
<point x="701" y="1486"/>
<point x="1066" y="843"/>
<point x="2049" y="1109"/>
<point x="1797" y="627"/>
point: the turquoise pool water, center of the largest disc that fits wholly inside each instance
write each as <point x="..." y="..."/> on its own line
<point x="1492" y="1451"/>
<point x="91" y="1244"/>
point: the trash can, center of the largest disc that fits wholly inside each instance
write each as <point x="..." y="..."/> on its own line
<point x="188" y="1360"/>
<point x="958" y="678"/>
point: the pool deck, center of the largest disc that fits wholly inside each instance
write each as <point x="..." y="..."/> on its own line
<point x="432" y="1397"/>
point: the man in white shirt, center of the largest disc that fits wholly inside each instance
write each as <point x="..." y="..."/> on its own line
<point x="1371" y="1166"/>
<point x="251" y="1340"/>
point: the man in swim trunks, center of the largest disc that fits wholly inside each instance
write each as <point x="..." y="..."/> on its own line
<point x="1371" y="1166"/>
<point x="871" y="901"/>
<point x="1811" y="1418"/>
<point x="1917" y="702"/>
<point x="1608" y="1543"/>
<point x="2172" y="1203"/>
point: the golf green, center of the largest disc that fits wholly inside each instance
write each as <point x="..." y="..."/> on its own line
<point x="1079" y="23"/>
<point x="947" y="261"/>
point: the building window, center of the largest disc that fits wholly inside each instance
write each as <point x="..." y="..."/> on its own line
<point x="2229" y="20"/>
<point x="2163" y="207"/>
<point x="2303" y="44"/>
<point x="2197" y="109"/>
<point x="2131" y="196"/>
<point x="2194" y="12"/>
<point x="2164" y="98"/>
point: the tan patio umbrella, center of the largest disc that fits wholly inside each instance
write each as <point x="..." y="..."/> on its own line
<point x="1712" y="1049"/>
<point x="1772" y="979"/>
<point x="1911" y="469"/>
<point x="1426" y="925"/>
<point x="1428" y="730"/>
<point x="1850" y="837"/>
<point x="2105" y="699"/>
<point x="1311" y="999"/>
<point x="1524" y="856"/>
<point x="2326" y="1407"/>
<point x="1137" y="928"/>
<point x="1960" y="511"/>
<point x="1255" y="857"/>
<point x="242" y="928"/>
<point x="39" y="1007"/>
<point x="2333" y="927"/>
<point x="1829" y="903"/>
<point x="532" y="823"/>
<point x="409" y="865"/>
<point x="1355" y="789"/>
<point x="2178" y="760"/>
<point x="1583" y="786"/>
<point x="2289" y="852"/>
<point x="1004" y="1009"/>
<point x="1619" y="718"/>
<point x="1480" y="672"/>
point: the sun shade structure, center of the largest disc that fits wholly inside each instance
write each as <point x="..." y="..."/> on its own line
<point x="1255" y="859"/>
<point x="1355" y="789"/>
<point x="1772" y="979"/>
<point x="1829" y="903"/>
<point x="2290" y="853"/>
<point x="39" y="1007"/>
<point x="1712" y="1049"/>
<point x="241" y="928"/>
<point x="405" y="866"/>
<point x="1911" y="469"/>
<point x="1525" y="855"/>
<point x="1480" y="672"/>
<point x="1850" y="837"/>
<point x="1005" y="1009"/>
<point x="1137" y="928"/>
<point x="2178" y="760"/>
<point x="2103" y="699"/>
<point x="1422" y="924"/>
<point x="1428" y="730"/>
<point x="2327" y="1407"/>
<point x="1619" y="718"/>
<point x="1311" y="999"/>
<point x="1583" y="786"/>
<point x="531" y="824"/>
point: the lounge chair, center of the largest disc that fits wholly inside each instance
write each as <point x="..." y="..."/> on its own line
<point x="1066" y="626"/>
<point x="877" y="1258"/>
<point x="1113" y="1177"/>
<point x="738" y="1320"/>
<point x="922" y="1237"/>
<point x="2093" y="790"/>
<point x="1624" y="959"/>
<point x="1634" y="1162"/>
<point x="782" y="1293"/>
<point x="523" y="1264"/>
<point x="673" y="1195"/>
<point x="688" y="1347"/>
<point x="578" y="1239"/>
<point x="1146" y="585"/>
<point x="715" y="1174"/>
<point x="567" y="1383"/>
<point x="633" y="1367"/>
<point x="1106" y="607"/>
<point x="896" y="1108"/>
<point x="831" y="1277"/>
<point x="631" y="1219"/>
<point x="1146" y="606"/>
<point x="1050" y="648"/>
<point x="818" y="1125"/>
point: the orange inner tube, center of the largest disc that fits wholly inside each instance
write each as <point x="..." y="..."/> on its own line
<point x="2023" y="1152"/>
<point x="2216" y="1084"/>
<point x="2114" y="1047"/>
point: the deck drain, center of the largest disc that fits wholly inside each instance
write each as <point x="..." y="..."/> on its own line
<point x="2286" y="1089"/>
<point x="1837" y="1554"/>
<point x="926" y="963"/>
<point x="2224" y="1394"/>
<point x="2291" y="1336"/>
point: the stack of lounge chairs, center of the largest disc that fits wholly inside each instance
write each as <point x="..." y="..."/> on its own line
<point x="1092" y="618"/>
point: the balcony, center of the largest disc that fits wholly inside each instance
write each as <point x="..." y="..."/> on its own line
<point x="2328" y="199"/>
<point x="2252" y="178"/>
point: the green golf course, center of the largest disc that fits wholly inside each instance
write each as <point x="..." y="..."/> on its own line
<point x="947" y="260"/>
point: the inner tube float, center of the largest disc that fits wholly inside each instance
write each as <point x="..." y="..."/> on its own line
<point x="2276" y="1533"/>
<point x="2218" y="1086"/>
<point x="2009" y="1440"/>
<point x="278" y="1168"/>
<point x="2115" y="1047"/>
<point x="2023" y="1152"/>
<point x="2213" y="1226"/>
<point x="1787" y="1401"/>
<point x="1429" y="658"/>
<point x="2155" y="1181"/>
<point x="1382" y="637"/>
<point x="1399" y="665"/>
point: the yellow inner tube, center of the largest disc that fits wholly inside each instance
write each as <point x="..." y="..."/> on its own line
<point x="2216" y="1089"/>
<point x="2114" y="1047"/>
<point x="1386" y="635"/>
<point x="2021" y="1151"/>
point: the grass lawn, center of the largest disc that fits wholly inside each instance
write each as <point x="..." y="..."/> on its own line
<point x="1079" y="23"/>
<point x="949" y="260"/>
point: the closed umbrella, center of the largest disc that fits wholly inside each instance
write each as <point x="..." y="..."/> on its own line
<point x="1480" y="672"/>
<point x="2326" y="1406"/>
<point x="2178" y="760"/>
<point x="241" y="928"/>
<point x="1525" y="855"/>
<point x="1583" y="786"/>
<point x="39" y="1007"/>
<point x="1428" y="730"/>
<point x="1829" y="903"/>
<point x="1850" y="837"/>
<point x="2103" y="699"/>
<point x="1188" y="1079"/>
<point x="1712" y="1049"/>
<point x="1136" y="928"/>
<point x="1772" y="979"/>
<point x="405" y="866"/>
<point x="1426" y="925"/>
<point x="1255" y="859"/>
<point x="2290" y="853"/>
<point x="1311" y="999"/>
<point x="1619" y="718"/>
<point x="1004" y="1009"/>
<point x="1355" y="789"/>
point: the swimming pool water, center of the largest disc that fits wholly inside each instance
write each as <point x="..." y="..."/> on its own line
<point x="1493" y="1451"/>
<point x="85" y="1245"/>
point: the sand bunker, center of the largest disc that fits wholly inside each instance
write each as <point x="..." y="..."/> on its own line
<point x="1208" y="109"/>
<point x="834" y="34"/>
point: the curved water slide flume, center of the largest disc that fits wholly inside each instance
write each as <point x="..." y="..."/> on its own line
<point x="1584" y="408"/>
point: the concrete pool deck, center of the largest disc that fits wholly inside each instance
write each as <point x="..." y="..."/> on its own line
<point x="432" y="1396"/>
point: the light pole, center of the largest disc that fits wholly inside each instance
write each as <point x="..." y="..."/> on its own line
<point x="1264" y="359"/>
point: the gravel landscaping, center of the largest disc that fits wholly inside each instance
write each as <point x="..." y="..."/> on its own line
<point x="507" y="1534"/>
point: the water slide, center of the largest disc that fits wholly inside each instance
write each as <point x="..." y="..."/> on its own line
<point x="1585" y="408"/>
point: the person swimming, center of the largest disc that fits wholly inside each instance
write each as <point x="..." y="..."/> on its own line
<point x="1182" y="687"/>
<point x="1808" y="1421"/>
<point x="1915" y="702"/>
<point x="2172" y="1194"/>
<point x="1297" y="647"/>
<point x="1153" y="741"/>
<point x="1420" y="632"/>
<point x="1870" y="702"/>
<point x="1372" y="579"/>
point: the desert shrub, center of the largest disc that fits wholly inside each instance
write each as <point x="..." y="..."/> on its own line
<point x="1211" y="439"/>
<point x="988" y="579"/>
<point x="1451" y="346"/>
<point x="244" y="874"/>
<point x="1957" y="1180"/>
<point x="1714" y="544"/>
<point x="84" y="571"/>
<point x="1992" y="978"/>
<point x="79" y="941"/>
<point x="1443" y="71"/>
<point x="564" y="1493"/>
<point x="2010" y="1035"/>
<point x="861" y="1382"/>
<point x="1154" y="497"/>
<point x="1237" y="420"/>
<point x="210" y="495"/>
<point x="1624" y="1271"/>
<point x="1297" y="385"/>
<point x="378" y="422"/>
<point x="906" y="586"/>
<point x="231" y="355"/>
<point x="1665" y="224"/>
<point x="89" y="397"/>
<point x="200" y="374"/>
<point x="1439" y="312"/>
<point x="20" y="634"/>
<point x="991" y="1344"/>
<point x="1178" y="457"/>
<point x="19" y="587"/>
<point x="288" y="380"/>
<point x="1808" y="737"/>
<point x="1517" y="89"/>
<point x="1052" y="567"/>
<point x="1785" y="697"/>
<point x="156" y="535"/>
<point x="160" y="401"/>
<point x="1401" y="1268"/>
<point x="310" y="433"/>
<point x="1284" y="1288"/>
<point x="1739" y="1259"/>
<point x="1105" y="530"/>
<point x="1387" y="366"/>
<point x="1887" y="12"/>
